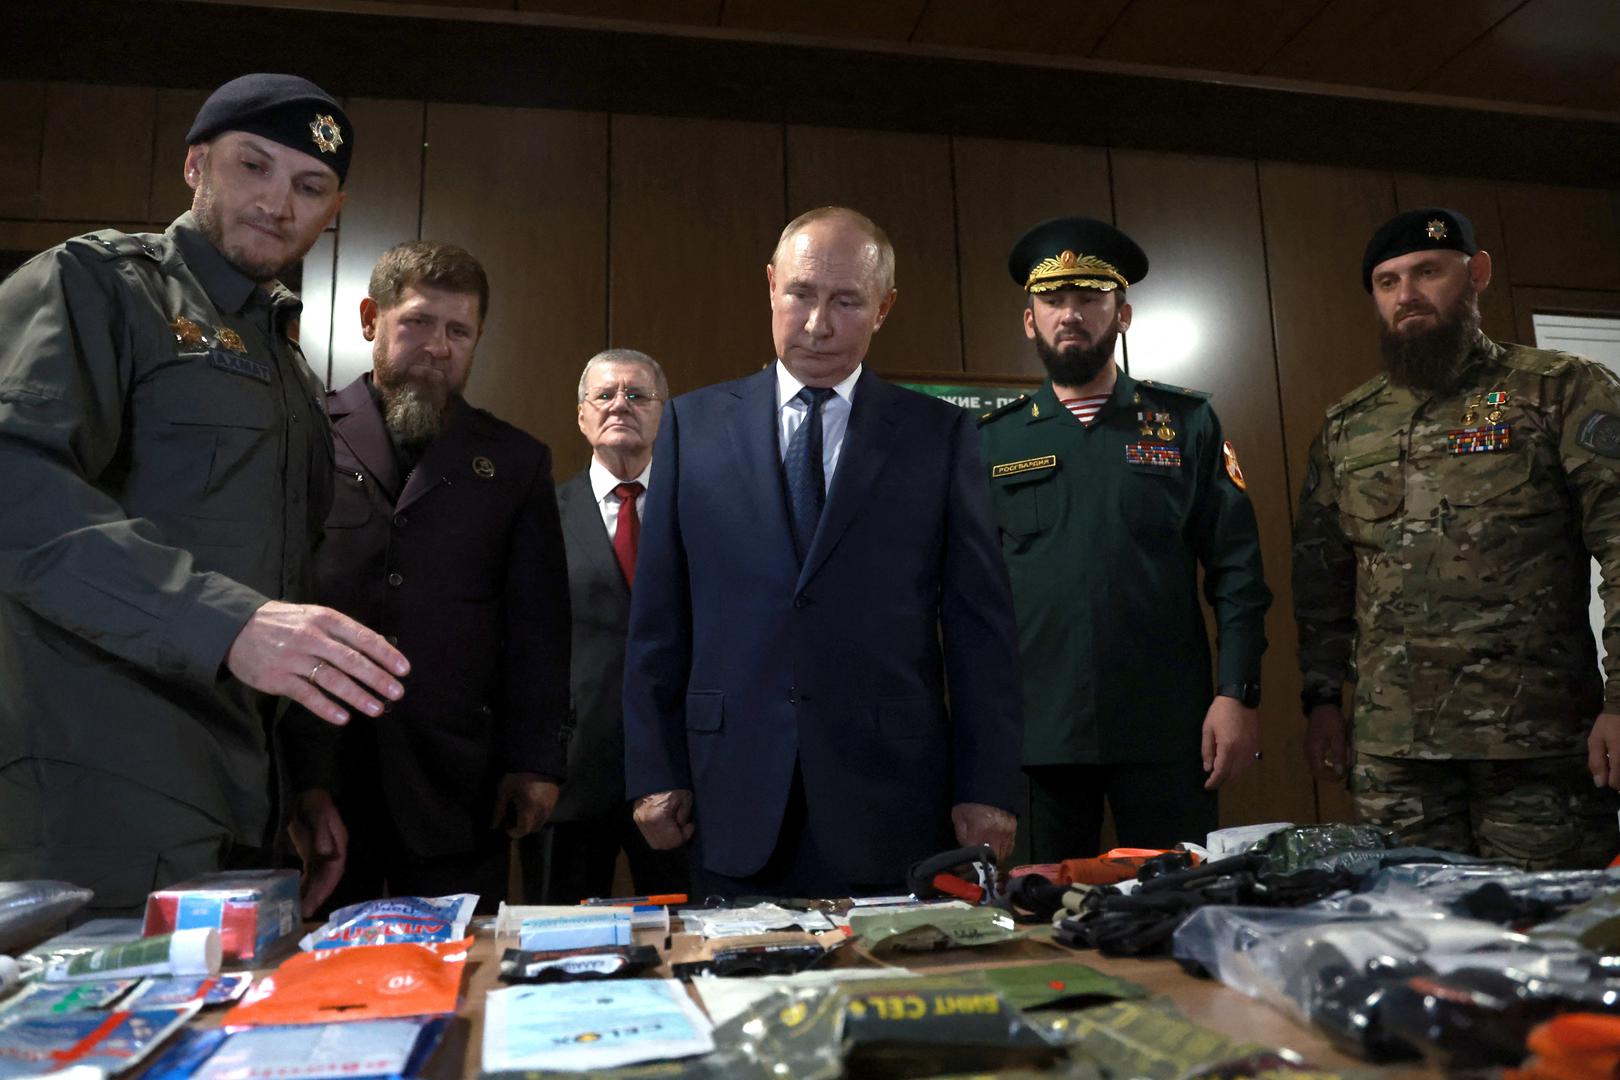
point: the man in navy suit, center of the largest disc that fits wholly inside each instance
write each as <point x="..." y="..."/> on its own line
<point x="818" y="573"/>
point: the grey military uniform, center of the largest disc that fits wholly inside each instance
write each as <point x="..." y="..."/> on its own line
<point x="168" y="466"/>
<point x="1441" y="563"/>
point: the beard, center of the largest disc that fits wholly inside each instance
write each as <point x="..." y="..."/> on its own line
<point x="205" y="210"/>
<point x="414" y="401"/>
<point x="1435" y="360"/>
<point x="1076" y="365"/>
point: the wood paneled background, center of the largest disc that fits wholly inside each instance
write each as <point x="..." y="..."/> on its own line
<point x="652" y="232"/>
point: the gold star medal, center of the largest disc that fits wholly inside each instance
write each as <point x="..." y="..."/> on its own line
<point x="326" y="133"/>
<point x="230" y="339"/>
<point x="483" y="468"/>
<point x="187" y="332"/>
<point x="1233" y="469"/>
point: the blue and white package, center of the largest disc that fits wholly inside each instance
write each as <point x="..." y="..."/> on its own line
<point x="357" y="1050"/>
<point x="180" y="989"/>
<point x="54" y="999"/>
<point x="419" y="919"/>
<point x="110" y="1042"/>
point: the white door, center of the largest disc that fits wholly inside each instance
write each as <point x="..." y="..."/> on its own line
<point x="1600" y="340"/>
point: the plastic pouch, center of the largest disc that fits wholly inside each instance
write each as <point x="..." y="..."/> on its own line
<point x="572" y="965"/>
<point x="31" y="909"/>
<point x="395" y="921"/>
<point x="372" y="983"/>
<point x="922" y="1027"/>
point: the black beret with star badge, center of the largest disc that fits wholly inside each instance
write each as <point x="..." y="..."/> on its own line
<point x="284" y="109"/>
<point x="1076" y="253"/>
<point x="1431" y="228"/>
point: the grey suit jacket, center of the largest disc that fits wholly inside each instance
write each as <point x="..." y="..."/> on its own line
<point x="600" y="600"/>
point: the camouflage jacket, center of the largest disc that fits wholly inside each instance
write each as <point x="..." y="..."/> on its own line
<point x="1442" y="542"/>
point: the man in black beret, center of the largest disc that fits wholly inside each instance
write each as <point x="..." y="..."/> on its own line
<point x="168" y="466"/>
<point x="1110" y="492"/>
<point x="1450" y="509"/>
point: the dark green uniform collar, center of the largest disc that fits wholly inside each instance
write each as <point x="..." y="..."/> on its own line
<point x="227" y="287"/>
<point x="1047" y="406"/>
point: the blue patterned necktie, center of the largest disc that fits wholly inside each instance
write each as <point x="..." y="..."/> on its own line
<point x="806" y="479"/>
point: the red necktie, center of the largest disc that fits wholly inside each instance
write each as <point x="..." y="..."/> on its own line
<point x="627" y="532"/>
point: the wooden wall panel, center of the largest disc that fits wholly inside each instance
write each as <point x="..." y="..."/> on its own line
<point x="891" y="21"/>
<point x="1201" y="319"/>
<point x="96" y="159"/>
<point x="695" y="209"/>
<point x="1003" y="188"/>
<point x="317" y="279"/>
<point x="36" y="236"/>
<point x="1239" y="35"/>
<point x="1477" y="200"/>
<point x="383" y="207"/>
<point x="1393" y="44"/>
<point x="525" y="190"/>
<point x="1528" y="302"/>
<point x="168" y="194"/>
<point x="1026" y="25"/>
<point x="22" y="133"/>
<point x="1317" y="222"/>
<point x="1566" y="238"/>
<point x="902" y="182"/>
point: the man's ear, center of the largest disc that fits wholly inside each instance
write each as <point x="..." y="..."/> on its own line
<point x="1124" y="317"/>
<point x="885" y="307"/>
<point x="1029" y="322"/>
<point x="1479" y="270"/>
<point x="196" y="158"/>
<point x="368" y="318"/>
<point x="770" y="281"/>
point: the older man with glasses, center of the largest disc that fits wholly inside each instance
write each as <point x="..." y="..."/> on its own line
<point x="621" y="397"/>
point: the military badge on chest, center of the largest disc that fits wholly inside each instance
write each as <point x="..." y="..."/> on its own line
<point x="1158" y="426"/>
<point x="227" y="351"/>
<point x="1494" y="437"/>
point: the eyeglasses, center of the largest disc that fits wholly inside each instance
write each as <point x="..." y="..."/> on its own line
<point x="634" y="396"/>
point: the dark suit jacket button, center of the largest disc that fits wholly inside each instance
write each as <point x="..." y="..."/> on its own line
<point x="400" y="520"/>
<point x="801" y="601"/>
<point x="395" y="578"/>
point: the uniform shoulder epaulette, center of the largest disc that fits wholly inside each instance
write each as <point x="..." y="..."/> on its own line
<point x="1003" y="409"/>
<point x="1201" y="395"/>
<point x="1537" y="361"/>
<point x="1360" y="393"/>
<point x="113" y="244"/>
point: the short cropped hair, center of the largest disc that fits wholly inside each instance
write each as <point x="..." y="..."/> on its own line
<point x="874" y="232"/>
<point x="424" y="262"/>
<point x="625" y="356"/>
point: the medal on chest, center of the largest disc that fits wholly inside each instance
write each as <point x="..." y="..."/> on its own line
<point x="1494" y="437"/>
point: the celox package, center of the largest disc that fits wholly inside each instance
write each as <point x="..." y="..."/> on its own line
<point x="251" y="909"/>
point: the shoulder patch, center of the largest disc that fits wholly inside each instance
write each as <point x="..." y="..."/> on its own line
<point x="1201" y="395"/>
<point x="1359" y="394"/>
<point x="1536" y="361"/>
<point x="112" y="244"/>
<point x="1002" y="410"/>
<point x="1600" y="433"/>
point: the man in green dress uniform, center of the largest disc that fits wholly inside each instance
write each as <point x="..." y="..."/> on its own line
<point x="1110" y="492"/>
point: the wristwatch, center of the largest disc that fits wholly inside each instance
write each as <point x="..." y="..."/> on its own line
<point x="1247" y="693"/>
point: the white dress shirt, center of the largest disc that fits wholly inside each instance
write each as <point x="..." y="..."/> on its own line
<point x="602" y="485"/>
<point x="834" y="416"/>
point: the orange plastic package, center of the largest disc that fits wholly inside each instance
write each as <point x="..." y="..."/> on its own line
<point x="366" y="982"/>
<point x="1574" y="1046"/>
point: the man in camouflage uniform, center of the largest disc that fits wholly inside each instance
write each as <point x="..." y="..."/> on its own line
<point x="1447" y="514"/>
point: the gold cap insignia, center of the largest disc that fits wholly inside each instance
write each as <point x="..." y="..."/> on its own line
<point x="1233" y="469"/>
<point x="483" y="468"/>
<point x="1436" y="229"/>
<point x="230" y="339"/>
<point x="326" y="133"/>
<point x="187" y="332"/>
<point x="1071" y="270"/>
